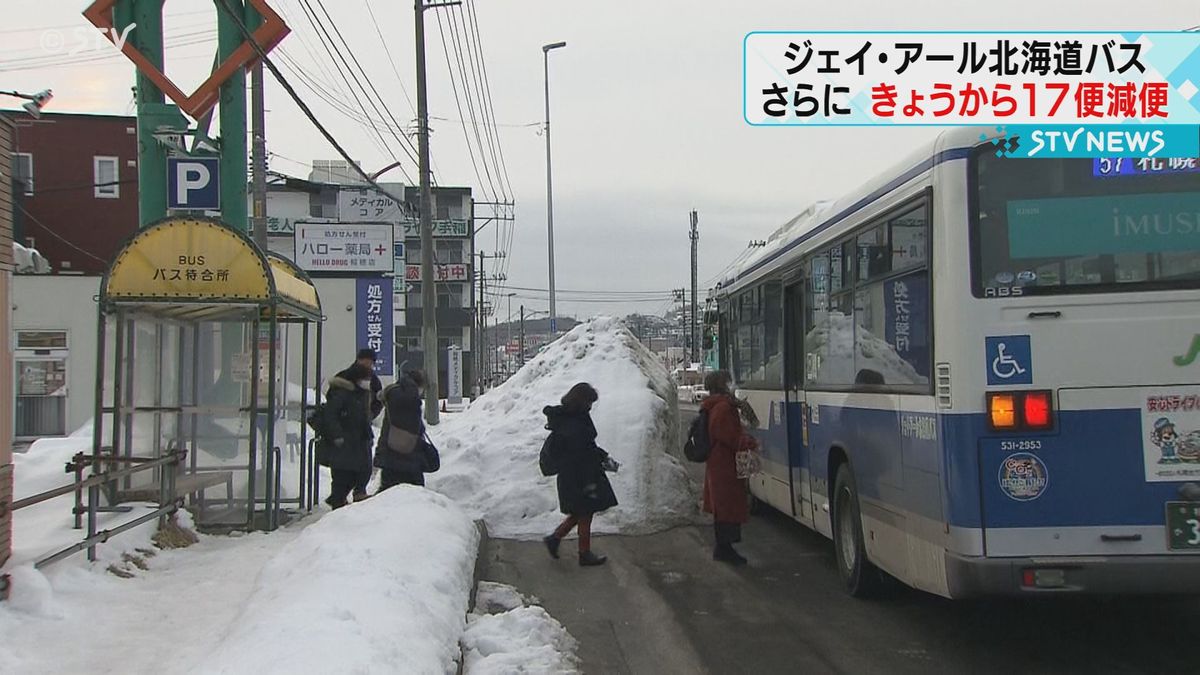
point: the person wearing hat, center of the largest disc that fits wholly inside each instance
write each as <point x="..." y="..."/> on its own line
<point x="366" y="359"/>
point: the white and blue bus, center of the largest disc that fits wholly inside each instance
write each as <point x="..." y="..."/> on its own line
<point x="979" y="374"/>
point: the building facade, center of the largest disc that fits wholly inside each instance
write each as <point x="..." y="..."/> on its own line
<point x="79" y="196"/>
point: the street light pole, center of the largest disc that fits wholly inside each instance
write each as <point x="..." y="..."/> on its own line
<point x="549" y="184"/>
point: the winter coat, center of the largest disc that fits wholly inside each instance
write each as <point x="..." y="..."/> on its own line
<point x="724" y="493"/>
<point x="376" y="388"/>
<point x="583" y="487"/>
<point x="348" y="417"/>
<point x="402" y="408"/>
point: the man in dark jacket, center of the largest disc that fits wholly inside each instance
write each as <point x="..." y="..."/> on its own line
<point x="583" y="487"/>
<point x="402" y="454"/>
<point x="366" y="358"/>
<point x="348" y="429"/>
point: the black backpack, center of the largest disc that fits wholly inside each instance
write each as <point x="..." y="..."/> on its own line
<point x="548" y="460"/>
<point x="697" y="447"/>
<point x="316" y="420"/>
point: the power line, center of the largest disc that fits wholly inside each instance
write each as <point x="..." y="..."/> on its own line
<point x="300" y="102"/>
<point x="392" y="61"/>
<point x="336" y="55"/>
<point x="405" y="143"/>
<point x="59" y="237"/>
<point x="487" y="86"/>
<point x="458" y="102"/>
<point x="466" y="82"/>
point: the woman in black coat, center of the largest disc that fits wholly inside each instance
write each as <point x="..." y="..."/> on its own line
<point x="402" y="454"/>
<point x="348" y="430"/>
<point x="583" y="487"/>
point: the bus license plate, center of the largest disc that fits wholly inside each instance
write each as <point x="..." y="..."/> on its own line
<point x="1183" y="526"/>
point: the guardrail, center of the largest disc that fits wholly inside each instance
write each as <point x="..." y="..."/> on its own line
<point x="169" y="501"/>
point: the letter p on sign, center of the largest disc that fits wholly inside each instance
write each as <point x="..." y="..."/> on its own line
<point x="194" y="183"/>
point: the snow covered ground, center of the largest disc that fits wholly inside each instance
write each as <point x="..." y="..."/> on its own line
<point x="510" y="633"/>
<point x="377" y="587"/>
<point x="490" y="451"/>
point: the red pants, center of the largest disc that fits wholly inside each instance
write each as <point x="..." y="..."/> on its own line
<point x="585" y="530"/>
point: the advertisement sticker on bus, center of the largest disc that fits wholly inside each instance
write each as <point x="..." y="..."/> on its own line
<point x="1171" y="435"/>
<point x="1023" y="477"/>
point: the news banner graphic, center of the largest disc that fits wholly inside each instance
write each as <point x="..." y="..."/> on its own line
<point x="1081" y="94"/>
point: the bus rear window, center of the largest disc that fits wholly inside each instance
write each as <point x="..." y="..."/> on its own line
<point x="1048" y="226"/>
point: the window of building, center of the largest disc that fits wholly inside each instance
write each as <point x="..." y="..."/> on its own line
<point x="23" y="170"/>
<point x="106" y="177"/>
<point x="450" y="296"/>
<point x="448" y="251"/>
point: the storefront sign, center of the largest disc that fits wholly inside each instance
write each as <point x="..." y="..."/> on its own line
<point x="456" y="272"/>
<point x="374" y="320"/>
<point x="360" y="247"/>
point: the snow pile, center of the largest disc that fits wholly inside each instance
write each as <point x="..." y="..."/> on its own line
<point x="514" y="636"/>
<point x="490" y="452"/>
<point x="846" y="350"/>
<point x="48" y="527"/>
<point x="381" y="586"/>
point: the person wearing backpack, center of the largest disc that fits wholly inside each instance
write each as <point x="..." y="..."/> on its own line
<point x="404" y="453"/>
<point x="572" y="455"/>
<point x="724" y="493"/>
<point x="347" y="431"/>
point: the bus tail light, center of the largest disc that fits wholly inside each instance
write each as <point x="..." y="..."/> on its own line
<point x="1037" y="410"/>
<point x="1020" y="410"/>
<point x="1002" y="411"/>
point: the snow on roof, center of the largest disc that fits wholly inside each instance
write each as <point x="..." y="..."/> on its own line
<point x="29" y="261"/>
<point x="490" y="452"/>
<point x="819" y="212"/>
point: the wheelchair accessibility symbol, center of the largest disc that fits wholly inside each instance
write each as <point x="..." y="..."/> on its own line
<point x="1009" y="360"/>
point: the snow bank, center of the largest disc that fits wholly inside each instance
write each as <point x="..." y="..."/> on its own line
<point x="48" y="527"/>
<point x="490" y="451"/>
<point x="381" y="586"/>
<point x="516" y="637"/>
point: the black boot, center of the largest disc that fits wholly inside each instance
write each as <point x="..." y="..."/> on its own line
<point x="552" y="541"/>
<point x="726" y="553"/>
<point x="590" y="559"/>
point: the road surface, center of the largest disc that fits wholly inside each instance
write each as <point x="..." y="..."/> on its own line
<point x="662" y="605"/>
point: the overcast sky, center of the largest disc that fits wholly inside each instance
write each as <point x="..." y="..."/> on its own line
<point x="646" y="113"/>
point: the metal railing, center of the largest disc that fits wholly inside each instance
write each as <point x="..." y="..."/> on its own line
<point x="169" y="501"/>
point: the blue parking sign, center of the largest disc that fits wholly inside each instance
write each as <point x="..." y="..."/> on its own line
<point x="1009" y="360"/>
<point x="194" y="183"/>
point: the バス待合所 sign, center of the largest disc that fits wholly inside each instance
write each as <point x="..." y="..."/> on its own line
<point x="344" y="247"/>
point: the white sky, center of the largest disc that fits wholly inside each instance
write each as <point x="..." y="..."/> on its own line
<point x="646" y="112"/>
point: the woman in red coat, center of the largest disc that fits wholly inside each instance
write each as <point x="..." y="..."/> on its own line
<point x="725" y="493"/>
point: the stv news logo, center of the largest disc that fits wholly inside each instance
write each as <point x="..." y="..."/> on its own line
<point x="82" y="39"/>
<point x="1005" y="146"/>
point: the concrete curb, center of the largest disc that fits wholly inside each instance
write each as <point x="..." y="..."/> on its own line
<point x="483" y="541"/>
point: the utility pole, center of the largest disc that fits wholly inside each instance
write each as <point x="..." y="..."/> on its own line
<point x="428" y="291"/>
<point x="695" y="235"/>
<point x="258" y="125"/>
<point x="549" y="185"/>
<point x="521" y="359"/>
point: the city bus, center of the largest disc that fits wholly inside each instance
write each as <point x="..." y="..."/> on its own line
<point x="978" y="374"/>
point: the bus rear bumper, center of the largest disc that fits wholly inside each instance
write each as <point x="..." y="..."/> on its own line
<point x="1101" y="575"/>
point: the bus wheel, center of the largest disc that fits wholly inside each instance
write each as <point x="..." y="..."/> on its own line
<point x="861" y="578"/>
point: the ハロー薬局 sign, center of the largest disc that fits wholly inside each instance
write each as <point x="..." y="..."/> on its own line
<point x="373" y="320"/>
<point x="360" y="247"/>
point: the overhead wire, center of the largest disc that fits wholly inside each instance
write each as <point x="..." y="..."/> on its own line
<point x="291" y="91"/>
<point x="339" y="55"/>
<point x="58" y="236"/>
<point x="406" y="143"/>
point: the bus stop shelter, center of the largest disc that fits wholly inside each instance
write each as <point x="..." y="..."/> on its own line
<point x="196" y="347"/>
